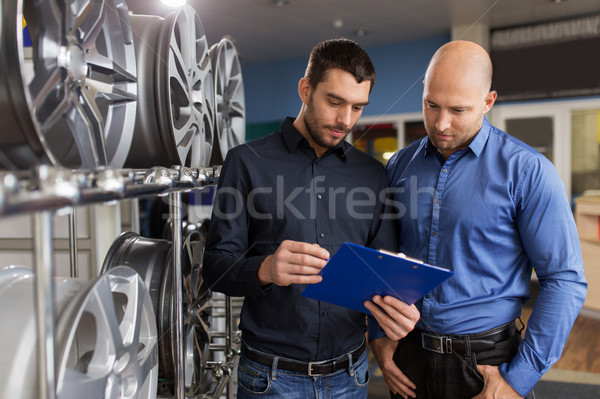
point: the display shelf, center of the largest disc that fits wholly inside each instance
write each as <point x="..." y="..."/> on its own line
<point x="45" y="189"/>
<point x="50" y="188"/>
<point x="587" y="217"/>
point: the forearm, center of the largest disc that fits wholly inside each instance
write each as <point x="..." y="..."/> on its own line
<point x="230" y="274"/>
<point x="556" y="308"/>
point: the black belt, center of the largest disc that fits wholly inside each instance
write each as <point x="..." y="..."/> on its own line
<point x="311" y="368"/>
<point x="479" y="342"/>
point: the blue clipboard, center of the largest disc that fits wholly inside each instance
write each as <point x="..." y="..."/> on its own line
<point x="356" y="273"/>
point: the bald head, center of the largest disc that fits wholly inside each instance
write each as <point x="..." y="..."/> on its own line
<point x="456" y="95"/>
<point x="462" y="60"/>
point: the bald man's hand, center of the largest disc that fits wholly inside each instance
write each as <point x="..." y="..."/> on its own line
<point x="395" y="317"/>
<point x="294" y="262"/>
<point x="494" y="386"/>
<point x="383" y="349"/>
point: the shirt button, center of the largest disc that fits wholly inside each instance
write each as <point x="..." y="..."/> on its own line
<point x="319" y="196"/>
<point x="433" y="233"/>
<point x="321" y="235"/>
<point x="445" y="170"/>
<point x="437" y="201"/>
<point x="428" y="296"/>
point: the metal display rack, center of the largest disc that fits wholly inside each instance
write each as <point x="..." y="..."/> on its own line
<point x="46" y="189"/>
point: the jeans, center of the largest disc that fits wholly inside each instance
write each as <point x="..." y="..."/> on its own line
<point x="449" y="376"/>
<point x="258" y="381"/>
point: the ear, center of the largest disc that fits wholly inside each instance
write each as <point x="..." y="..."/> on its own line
<point x="304" y="89"/>
<point x="490" y="100"/>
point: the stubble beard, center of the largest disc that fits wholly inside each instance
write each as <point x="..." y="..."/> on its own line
<point x="311" y="123"/>
<point x="453" y="145"/>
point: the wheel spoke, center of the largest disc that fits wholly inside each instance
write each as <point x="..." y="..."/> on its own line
<point x="43" y="89"/>
<point x="236" y="110"/>
<point x="97" y="89"/>
<point x="58" y="111"/>
<point x="106" y="318"/>
<point x="147" y="362"/>
<point x="184" y="140"/>
<point x="178" y="65"/>
<point x="85" y="19"/>
<point x="85" y="123"/>
<point x="82" y="385"/>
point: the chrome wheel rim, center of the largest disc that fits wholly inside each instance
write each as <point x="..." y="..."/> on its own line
<point x="107" y="340"/>
<point x="81" y="100"/>
<point x="196" y="316"/>
<point x="230" y="103"/>
<point x="176" y="116"/>
<point x="18" y="364"/>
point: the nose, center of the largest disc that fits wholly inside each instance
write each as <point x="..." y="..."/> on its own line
<point x="443" y="121"/>
<point x="344" y="116"/>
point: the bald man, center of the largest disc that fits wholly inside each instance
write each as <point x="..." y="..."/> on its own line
<point x="491" y="208"/>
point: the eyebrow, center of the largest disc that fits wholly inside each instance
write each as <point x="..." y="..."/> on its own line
<point x="332" y="95"/>
<point x="452" y="106"/>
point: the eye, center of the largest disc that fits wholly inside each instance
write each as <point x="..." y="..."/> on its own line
<point x="334" y="103"/>
<point x="358" y="107"/>
<point x="431" y="105"/>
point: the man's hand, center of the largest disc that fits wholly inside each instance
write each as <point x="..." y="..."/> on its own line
<point x="395" y="317"/>
<point x="494" y="385"/>
<point x="294" y="262"/>
<point x="383" y="350"/>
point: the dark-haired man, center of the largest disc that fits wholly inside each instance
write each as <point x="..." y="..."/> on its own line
<point x="285" y="203"/>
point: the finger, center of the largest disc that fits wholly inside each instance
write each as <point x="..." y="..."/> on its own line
<point x="307" y="261"/>
<point x="391" y="328"/>
<point x="390" y="303"/>
<point x="398" y="388"/>
<point x="399" y="311"/>
<point x="306" y="248"/>
<point x="285" y="258"/>
<point x="302" y="279"/>
<point x="304" y="270"/>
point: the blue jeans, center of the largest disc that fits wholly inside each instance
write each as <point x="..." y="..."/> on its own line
<point x="256" y="380"/>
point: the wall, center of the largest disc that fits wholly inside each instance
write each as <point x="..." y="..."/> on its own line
<point x="271" y="89"/>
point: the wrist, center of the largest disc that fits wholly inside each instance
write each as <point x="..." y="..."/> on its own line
<point x="262" y="272"/>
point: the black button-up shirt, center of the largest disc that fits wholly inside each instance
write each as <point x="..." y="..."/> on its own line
<point x="275" y="188"/>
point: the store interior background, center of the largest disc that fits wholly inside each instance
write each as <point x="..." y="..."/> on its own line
<point x="274" y="38"/>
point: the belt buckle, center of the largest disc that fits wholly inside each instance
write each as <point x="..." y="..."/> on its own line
<point x="444" y="343"/>
<point x="310" y="364"/>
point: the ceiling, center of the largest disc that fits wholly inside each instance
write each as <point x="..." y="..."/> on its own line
<point x="265" y="31"/>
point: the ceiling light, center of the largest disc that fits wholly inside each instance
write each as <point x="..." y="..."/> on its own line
<point x="174" y="3"/>
<point x="280" y="3"/>
<point x="338" y="23"/>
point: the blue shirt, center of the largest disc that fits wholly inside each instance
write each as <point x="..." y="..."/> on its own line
<point x="491" y="212"/>
<point x="276" y="188"/>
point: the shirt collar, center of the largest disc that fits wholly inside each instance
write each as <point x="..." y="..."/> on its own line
<point x="481" y="138"/>
<point x="476" y="145"/>
<point x="293" y="138"/>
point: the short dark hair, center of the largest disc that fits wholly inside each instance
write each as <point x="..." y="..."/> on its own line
<point x="341" y="53"/>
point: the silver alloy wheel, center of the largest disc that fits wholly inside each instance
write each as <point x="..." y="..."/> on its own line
<point x="175" y="117"/>
<point x="197" y="311"/>
<point x="147" y="256"/>
<point x="229" y="99"/>
<point x="107" y="340"/>
<point x="18" y="337"/>
<point x="78" y="109"/>
<point x="152" y="259"/>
